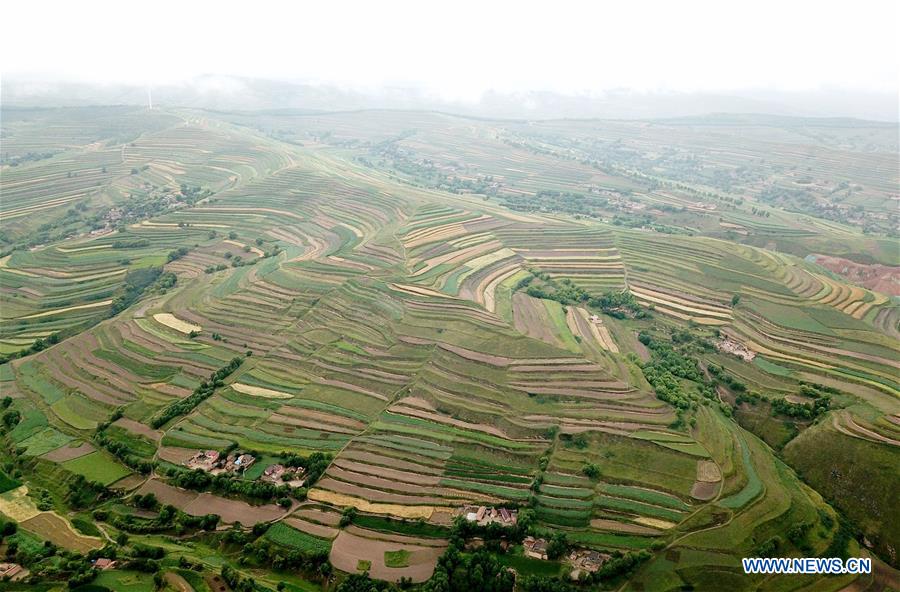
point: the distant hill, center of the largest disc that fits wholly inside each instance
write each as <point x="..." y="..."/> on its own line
<point x="234" y="93"/>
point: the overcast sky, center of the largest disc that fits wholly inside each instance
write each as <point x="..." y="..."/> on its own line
<point x="460" y="48"/>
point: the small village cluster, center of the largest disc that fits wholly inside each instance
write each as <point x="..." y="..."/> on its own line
<point x="281" y="474"/>
<point x="581" y="560"/>
<point x="13" y="572"/>
<point x="213" y="463"/>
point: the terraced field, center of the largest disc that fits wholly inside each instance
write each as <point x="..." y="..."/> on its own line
<point x="388" y="325"/>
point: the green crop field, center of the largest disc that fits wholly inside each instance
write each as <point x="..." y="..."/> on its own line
<point x="97" y="467"/>
<point x="636" y="335"/>
<point x="290" y="537"/>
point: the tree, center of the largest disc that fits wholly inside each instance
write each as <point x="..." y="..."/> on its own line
<point x="11" y="418"/>
<point x="591" y="471"/>
<point x="735" y="299"/>
<point x="358" y="583"/>
<point x="347" y="516"/>
<point x="580" y="441"/>
<point x="558" y="545"/>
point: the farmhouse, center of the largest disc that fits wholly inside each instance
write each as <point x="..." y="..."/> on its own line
<point x="9" y="570"/>
<point x="535" y="548"/>
<point x="586" y="560"/>
<point x="483" y="515"/>
<point x="104" y="563"/>
<point x="205" y="460"/>
<point x="273" y="472"/>
<point x="730" y="346"/>
<point x="241" y="462"/>
<point x="235" y="463"/>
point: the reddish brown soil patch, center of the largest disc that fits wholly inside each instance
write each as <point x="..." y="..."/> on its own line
<point x="394" y="538"/>
<point x="166" y="494"/>
<point x="200" y="504"/>
<point x="389" y="461"/>
<point x="881" y="278"/>
<point x="383" y="472"/>
<point x="67" y="452"/>
<point x="388" y="483"/>
<point x="703" y="490"/>
<point x="349" y="549"/>
<point x="320" y="516"/>
<point x="530" y="318"/>
<point x="233" y="511"/>
<point x="175" y="455"/>
<point x="616" y="526"/>
<point x="325" y="532"/>
<point x="53" y="528"/>
<point x="375" y="496"/>
<point x="138" y="428"/>
<point x="128" y="483"/>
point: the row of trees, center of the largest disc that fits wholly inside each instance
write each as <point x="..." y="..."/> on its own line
<point x="618" y="304"/>
<point x="138" y="281"/>
<point x="120" y="449"/>
<point x="200" y="394"/>
<point x="226" y="484"/>
<point x="168" y="519"/>
<point x="315" y="465"/>
<point x="38" y="345"/>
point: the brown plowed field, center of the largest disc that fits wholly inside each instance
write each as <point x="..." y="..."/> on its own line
<point x="349" y="549"/>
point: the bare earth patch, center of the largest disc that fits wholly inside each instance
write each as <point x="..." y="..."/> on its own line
<point x="530" y="318"/>
<point x="708" y="471"/>
<point x="349" y="549"/>
<point x="616" y="526"/>
<point x="258" y="391"/>
<point x="319" y="516"/>
<point x="69" y="452"/>
<point x="881" y="278"/>
<point x="200" y="504"/>
<point x="232" y="511"/>
<point x="708" y="477"/>
<point x="703" y="490"/>
<point x="655" y="522"/>
<point x="340" y="499"/>
<point x="173" y="322"/>
<point x="17" y="505"/>
<point x="319" y="530"/>
<point x="138" y="428"/>
<point x="175" y="454"/>
<point x="57" y="530"/>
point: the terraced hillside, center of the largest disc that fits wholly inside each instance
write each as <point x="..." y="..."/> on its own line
<point x="417" y="344"/>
